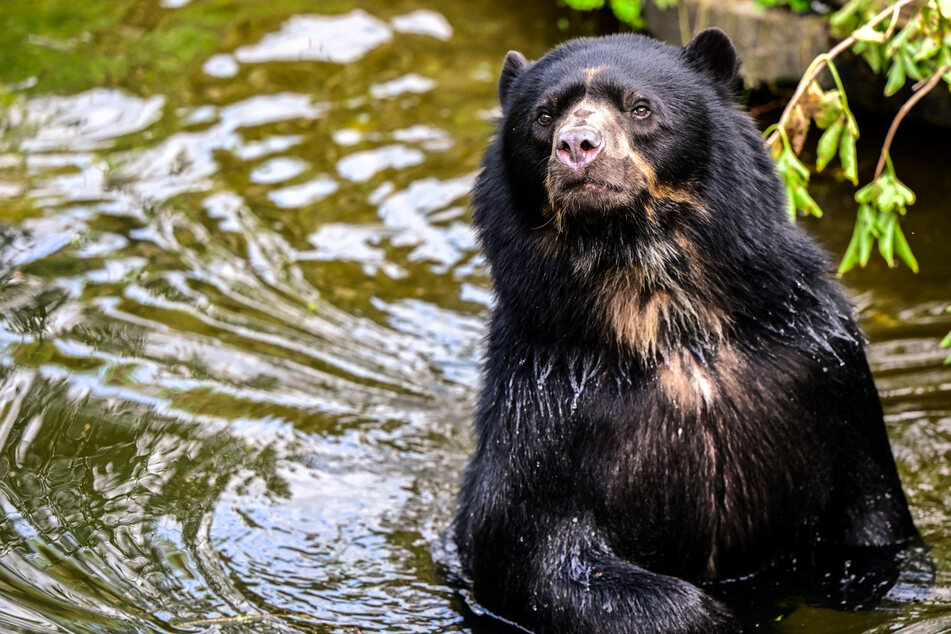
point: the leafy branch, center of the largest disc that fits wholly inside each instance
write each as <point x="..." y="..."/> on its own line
<point x="825" y="59"/>
<point x="919" y="49"/>
<point x="627" y="11"/>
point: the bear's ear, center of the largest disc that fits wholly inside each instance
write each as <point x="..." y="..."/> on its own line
<point x="512" y="67"/>
<point x="711" y="51"/>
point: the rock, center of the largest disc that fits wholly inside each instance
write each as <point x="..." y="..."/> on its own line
<point x="775" y="45"/>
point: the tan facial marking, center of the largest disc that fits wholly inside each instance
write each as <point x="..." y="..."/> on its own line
<point x="594" y="115"/>
<point x="591" y="73"/>
<point x="664" y="192"/>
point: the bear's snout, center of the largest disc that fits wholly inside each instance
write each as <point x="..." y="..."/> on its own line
<point x="578" y="146"/>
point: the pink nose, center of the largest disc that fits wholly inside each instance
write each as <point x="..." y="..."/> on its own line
<point x="576" y="147"/>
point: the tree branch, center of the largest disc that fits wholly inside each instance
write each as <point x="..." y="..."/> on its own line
<point x="908" y="105"/>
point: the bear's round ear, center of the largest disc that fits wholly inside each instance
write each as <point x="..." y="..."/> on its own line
<point x="512" y="67"/>
<point x="711" y="51"/>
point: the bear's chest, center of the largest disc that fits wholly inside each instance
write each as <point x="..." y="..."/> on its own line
<point x="708" y="469"/>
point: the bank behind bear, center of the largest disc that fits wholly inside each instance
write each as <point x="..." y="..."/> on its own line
<point x="675" y="393"/>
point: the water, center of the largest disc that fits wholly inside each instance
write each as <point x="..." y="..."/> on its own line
<point x="241" y="314"/>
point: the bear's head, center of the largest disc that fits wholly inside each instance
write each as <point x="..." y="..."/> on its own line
<point x="616" y="124"/>
<point x="628" y="196"/>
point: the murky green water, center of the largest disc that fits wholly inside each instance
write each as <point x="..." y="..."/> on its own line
<point x="241" y="310"/>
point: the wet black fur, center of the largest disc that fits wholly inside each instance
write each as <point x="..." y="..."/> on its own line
<point x="594" y="503"/>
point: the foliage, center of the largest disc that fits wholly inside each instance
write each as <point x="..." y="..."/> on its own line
<point x="830" y="111"/>
<point x="799" y="6"/>
<point x="921" y="50"/>
<point x="880" y="204"/>
<point x="627" y="11"/>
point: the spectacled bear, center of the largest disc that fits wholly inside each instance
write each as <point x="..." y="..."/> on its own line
<point x="675" y="392"/>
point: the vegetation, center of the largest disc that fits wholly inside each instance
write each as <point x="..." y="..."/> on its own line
<point x="920" y="49"/>
<point x="627" y="11"/>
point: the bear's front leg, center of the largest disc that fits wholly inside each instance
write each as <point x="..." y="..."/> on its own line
<point x="576" y="585"/>
<point x="867" y="534"/>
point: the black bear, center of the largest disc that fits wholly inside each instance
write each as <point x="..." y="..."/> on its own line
<point x="675" y="393"/>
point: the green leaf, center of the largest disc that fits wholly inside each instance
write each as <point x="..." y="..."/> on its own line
<point x="898" y="42"/>
<point x="873" y="55"/>
<point x="628" y="11"/>
<point x="829" y="143"/>
<point x="891" y="194"/>
<point x="929" y="48"/>
<point x="585" y="5"/>
<point x="869" y="34"/>
<point x="866" y="216"/>
<point x="850" y="259"/>
<point x="791" y="168"/>
<point x="865" y="233"/>
<point x="886" y="239"/>
<point x="904" y="250"/>
<point x="861" y="243"/>
<point x="910" y="67"/>
<point x="896" y="79"/>
<point x="944" y="53"/>
<point x="848" y="17"/>
<point x="790" y="204"/>
<point x="906" y="195"/>
<point x="851" y="124"/>
<point x="847" y="155"/>
<point x="865" y="248"/>
<point x="867" y="194"/>
<point x="805" y="202"/>
<point x="829" y="110"/>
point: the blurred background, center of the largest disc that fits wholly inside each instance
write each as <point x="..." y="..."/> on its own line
<point x="241" y="311"/>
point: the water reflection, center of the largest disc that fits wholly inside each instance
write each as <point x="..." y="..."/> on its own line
<point x="88" y="121"/>
<point x="240" y="320"/>
<point x="318" y="38"/>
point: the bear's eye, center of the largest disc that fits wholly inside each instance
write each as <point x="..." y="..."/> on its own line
<point x="544" y="119"/>
<point x="641" y="111"/>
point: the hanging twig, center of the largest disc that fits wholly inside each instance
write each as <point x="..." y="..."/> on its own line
<point x="920" y="92"/>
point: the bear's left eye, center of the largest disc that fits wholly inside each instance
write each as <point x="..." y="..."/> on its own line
<point x="641" y="111"/>
<point x="544" y="119"/>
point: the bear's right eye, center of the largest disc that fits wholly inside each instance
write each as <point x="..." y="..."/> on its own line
<point x="544" y="119"/>
<point x="641" y="111"/>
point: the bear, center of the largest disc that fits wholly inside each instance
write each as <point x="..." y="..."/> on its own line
<point x="675" y="395"/>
